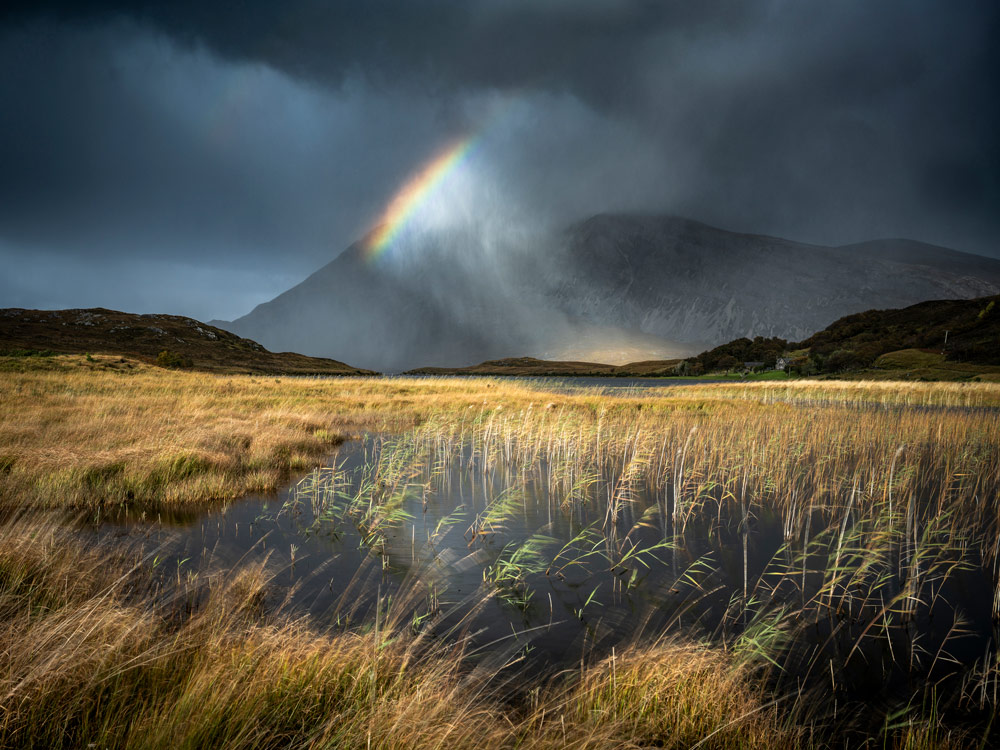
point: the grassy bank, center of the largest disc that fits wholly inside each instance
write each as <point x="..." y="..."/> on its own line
<point x="146" y="437"/>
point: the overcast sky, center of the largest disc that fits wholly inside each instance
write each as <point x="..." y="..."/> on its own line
<point x="199" y="158"/>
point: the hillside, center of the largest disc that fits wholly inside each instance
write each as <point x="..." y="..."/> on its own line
<point x="188" y="342"/>
<point x="529" y="366"/>
<point x="939" y="339"/>
<point x="962" y="330"/>
<point x="669" y="287"/>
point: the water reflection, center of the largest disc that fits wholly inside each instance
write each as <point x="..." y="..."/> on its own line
<point x="555" y="565"/>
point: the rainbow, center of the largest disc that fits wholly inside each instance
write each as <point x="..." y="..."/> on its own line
<point x="413" y="194"/>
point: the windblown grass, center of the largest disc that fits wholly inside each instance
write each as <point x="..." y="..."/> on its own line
<point x="113" y="655"/>
<point x="103" y="650"/>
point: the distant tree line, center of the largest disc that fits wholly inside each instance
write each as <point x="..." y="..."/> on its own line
<point x="733" y="356"/>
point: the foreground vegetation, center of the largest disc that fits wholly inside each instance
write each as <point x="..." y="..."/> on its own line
<point x="101" y="652"/>
<point x="884" y="493"/>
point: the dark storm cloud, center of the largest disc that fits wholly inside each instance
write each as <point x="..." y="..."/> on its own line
<point x="588" y="45"/>
<point x="114" y="126"/>
<point x="267" y="135"/>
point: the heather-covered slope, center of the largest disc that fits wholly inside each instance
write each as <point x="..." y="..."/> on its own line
<point x="938" y="339"/>
<point x="188" y="343"/>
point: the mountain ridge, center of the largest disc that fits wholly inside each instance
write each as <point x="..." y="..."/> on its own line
<point x="679" y="285"/>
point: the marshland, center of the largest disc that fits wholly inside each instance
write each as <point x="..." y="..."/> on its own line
<point x="209" y="560"/>
<point x="496" y="374"/>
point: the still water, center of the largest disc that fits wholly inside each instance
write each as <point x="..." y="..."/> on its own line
<point x="534" y="571"/>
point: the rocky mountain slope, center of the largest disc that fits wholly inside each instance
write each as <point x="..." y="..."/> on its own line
<point x="690" y="282"/>
<point x="670" y="287"/>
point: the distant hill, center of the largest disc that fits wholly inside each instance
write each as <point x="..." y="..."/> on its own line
<point x="964" y="330"/>
<point x="187" y="342"/>
<point x="529" y="366"/>
<point x="612" y="288"/>
<point x="687" y="281"/>
<point x="907" y="342"/>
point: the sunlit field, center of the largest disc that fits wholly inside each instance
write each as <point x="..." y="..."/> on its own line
<point x="441" y="562"/>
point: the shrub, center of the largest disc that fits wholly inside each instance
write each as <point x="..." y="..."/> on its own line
<point x="167" y="358"/>
<point x="728" y="362"/>
<point x="802" y="366"/>
<point x="842" y="359"/>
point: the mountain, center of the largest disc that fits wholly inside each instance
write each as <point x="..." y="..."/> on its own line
<point x="686" y="280"/>
<point x="613" y="288"/>
<point x="187" y="342"/>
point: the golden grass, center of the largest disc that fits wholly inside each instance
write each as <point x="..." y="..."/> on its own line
<point x="858" y="392"/>
<point x="97" y="438"/>
<point x="150" y="438"/>
<point x="672" y="695"/>
<point x="105" y="654"/>
<point x="797" y="458"/>
<point x="99" y="651"/>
